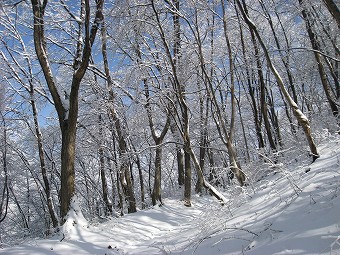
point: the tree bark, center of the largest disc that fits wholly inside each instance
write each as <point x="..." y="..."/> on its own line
<point x="261" y="82"/>
<point x="176" y="62"/>
<point x="301" y="118"/>
<point x="184" y="129"/>
<point x="323" y="76"/>
<point x="187" y="178"/>
<point x="105" y="191"/>
<point x="179" y="152"/>
<point x="67" y="114"/>
<point x="251" y="90"/>
<point x="333" y="9"/>
<point x="124" y="172"/>
<point x="5" y="191"/>
<point x="31" y="90"/>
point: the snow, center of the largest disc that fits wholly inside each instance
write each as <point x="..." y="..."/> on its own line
<point x="292" y="211"/>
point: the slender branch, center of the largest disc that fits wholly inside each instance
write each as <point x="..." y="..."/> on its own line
<point x="308" y="49"/>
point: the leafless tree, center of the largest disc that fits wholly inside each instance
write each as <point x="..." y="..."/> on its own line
<point x="67" y="108"/>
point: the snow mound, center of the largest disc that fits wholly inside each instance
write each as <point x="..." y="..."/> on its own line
<point x="75" y="222"/>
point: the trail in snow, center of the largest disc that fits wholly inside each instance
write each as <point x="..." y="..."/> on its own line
<point x="289" y="212"/>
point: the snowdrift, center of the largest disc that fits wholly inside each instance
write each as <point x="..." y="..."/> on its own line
<point x="291" y="211"/>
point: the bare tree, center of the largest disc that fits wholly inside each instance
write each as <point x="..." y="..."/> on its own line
<point x="226" y="133"/>
<point x="333" y="9"/>
<point x="183" y="116"/>
<point x="124" y="173"/>
<point x="183" y="124"/>
<point x="23" y="74"/>
<point x="5" y="190"/>
<point x="67" y="109"/>
<point x="321" y="68"/>
<point x="158" y="139"/>
<point x="301" y="118"/>
<point x="105" y="191"/>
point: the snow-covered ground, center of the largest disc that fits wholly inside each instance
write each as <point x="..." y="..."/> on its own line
<point x="292" y="211"/>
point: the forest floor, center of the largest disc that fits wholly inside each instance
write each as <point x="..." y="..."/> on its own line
<point x="294" y="210"/>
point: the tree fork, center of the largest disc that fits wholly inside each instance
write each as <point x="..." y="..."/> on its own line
<point x="67" y="115"/>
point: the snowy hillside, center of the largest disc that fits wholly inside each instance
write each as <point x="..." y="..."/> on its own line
<point x="292" y="211"/>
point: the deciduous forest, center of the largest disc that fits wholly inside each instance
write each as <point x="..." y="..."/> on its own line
<point x="118" y="105"/>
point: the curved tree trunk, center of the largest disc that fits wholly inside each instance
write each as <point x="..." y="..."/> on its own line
<point x="301" y="118"/>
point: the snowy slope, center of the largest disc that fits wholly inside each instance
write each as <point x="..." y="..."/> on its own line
<point x="290" y="212"/>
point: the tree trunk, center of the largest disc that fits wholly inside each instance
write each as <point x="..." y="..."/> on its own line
<point x="251" y="90"/>
<point x="105" y="191"/>
<point x="187" y="179"/>
<point x="141" y="179"/>
<point x="120" y="195"/>
<point x="333" y="9"/>
<point x="203" y="139"/>
<point x="67" y="162"/>
<point x="323" y="76"/>
<point x="179" y="153"/>
<point x="301" y="118"/>
<point x="176" y="60"/>
<point x="263" y="101"/>
<point x="5" y="191"/>
<point x="47" y="188"/>
<point x="67" y="114"/>
<point x="243" y="130"/>
<point x="284" y="58"/>
<point x="141" y="183"/>
<point x="124" y="172"/>
<point x="156" y="194"/>
<point x="128" y="188"/>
